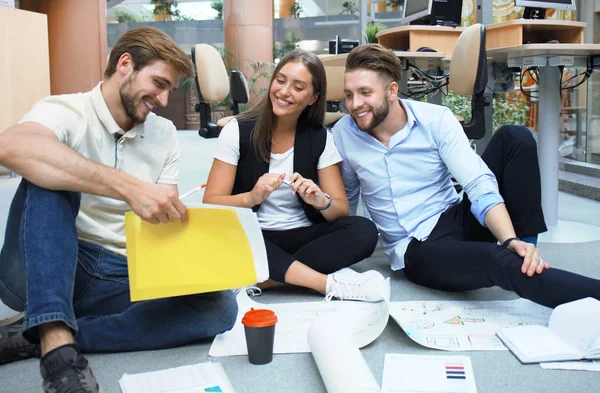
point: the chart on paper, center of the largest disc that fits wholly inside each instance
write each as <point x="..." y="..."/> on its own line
<point x="465" y="325"/>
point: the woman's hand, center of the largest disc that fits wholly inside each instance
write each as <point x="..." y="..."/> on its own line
<point x="265" y="185"/>
<point x="308" y="191"/>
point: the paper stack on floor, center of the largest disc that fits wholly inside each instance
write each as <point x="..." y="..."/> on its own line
<point x="198" y="378"/>
<point x="364" y="321"/>
<point x="431" y="374"/>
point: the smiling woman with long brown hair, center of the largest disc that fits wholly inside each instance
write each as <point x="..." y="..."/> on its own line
<point x="279" y="160"/>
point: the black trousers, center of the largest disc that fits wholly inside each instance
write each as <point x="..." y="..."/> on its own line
<point x="461" y="255"/>
<point x="325" y="247"/>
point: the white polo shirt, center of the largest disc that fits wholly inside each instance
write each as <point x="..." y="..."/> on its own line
<point x="149" y="151"/>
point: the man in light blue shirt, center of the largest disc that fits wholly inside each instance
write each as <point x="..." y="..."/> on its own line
<point x="400" y="156"/>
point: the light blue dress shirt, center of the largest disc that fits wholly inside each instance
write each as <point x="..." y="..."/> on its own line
<point x="407" y="186"/>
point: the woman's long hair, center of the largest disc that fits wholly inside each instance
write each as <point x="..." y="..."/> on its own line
<point x="312" y="116"/>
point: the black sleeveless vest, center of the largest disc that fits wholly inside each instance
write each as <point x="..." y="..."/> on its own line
<point x="309" y="144"/>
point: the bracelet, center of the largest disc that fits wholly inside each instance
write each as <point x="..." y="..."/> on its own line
<point x="330" y="200"/>
<point x="510" y="239"/>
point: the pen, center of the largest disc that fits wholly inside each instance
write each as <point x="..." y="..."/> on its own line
<point x="289" y="183"/>
<point x="192" y="191"/>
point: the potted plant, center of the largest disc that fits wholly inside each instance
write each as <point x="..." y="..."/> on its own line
<point x="371" y="31"/>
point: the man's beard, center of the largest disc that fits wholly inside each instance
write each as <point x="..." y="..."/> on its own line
<point x="379" y="115"/>
<point x="128" y="102"/>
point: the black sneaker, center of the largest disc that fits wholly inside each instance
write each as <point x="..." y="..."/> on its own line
<point x="65" y="370"/>
<point x="13" y="345"/>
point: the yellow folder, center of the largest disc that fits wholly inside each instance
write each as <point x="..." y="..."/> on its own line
<point x="219" y="248"/>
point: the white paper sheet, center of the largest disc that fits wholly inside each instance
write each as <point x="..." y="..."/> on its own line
<point x="465" y="325"/>
<point x="197" y="378"/>
<point x="583" y="365"/>
<point x="365" y="321"/>
<point x="340" y="363"/>
<point x="430" y="374"/>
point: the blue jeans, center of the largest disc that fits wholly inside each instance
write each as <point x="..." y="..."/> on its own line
<point x="49" y="273"/>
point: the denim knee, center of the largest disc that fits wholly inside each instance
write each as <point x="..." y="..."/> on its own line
<point x="219" y="309"/>
<point x="230" y="310"/>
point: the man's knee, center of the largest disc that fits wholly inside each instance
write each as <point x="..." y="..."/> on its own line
<point x="219" y="307"/>
<point x="501" y="260"/>
<point x="52" y="198"/>
<point x="518" y="136"/>
<point x="230" y="309"/>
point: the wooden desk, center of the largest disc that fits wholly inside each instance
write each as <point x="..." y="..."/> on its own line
<point x="530" y="50"/>
<point x="533" y="31"/>
<point x="411" y="38"/>
<point x="549" y="108"/>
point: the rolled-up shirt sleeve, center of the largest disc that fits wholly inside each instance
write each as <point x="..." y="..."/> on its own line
<point x="483" y="204"/>
<point x="471" y="172"/>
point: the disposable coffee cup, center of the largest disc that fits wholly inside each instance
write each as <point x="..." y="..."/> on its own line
<point x="259" y="326"/>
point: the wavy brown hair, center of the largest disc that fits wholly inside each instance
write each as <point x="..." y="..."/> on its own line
<point x="147" y="45"/>
<point x="311" y="117"/>
<point x="376" y="58"/>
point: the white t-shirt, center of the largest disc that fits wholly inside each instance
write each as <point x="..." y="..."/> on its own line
<point x="83" y="122"/>
<point x="281" y="210"/>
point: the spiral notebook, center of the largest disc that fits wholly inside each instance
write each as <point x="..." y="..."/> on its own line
<point x="219" y="248"/>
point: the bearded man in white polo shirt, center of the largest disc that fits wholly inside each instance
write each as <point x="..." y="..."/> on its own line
<point x="86" y="159"/>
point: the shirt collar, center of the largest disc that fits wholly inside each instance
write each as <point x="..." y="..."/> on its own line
<point x="106" y="117"/>
<point x="411" y="120"/>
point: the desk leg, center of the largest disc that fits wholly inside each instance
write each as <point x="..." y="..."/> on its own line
<point x="548" y="138"/>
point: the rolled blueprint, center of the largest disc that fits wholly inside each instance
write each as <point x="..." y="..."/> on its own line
<point x="340" y="363"/>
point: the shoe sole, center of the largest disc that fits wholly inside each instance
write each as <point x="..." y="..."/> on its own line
<point x="11" y="320"/>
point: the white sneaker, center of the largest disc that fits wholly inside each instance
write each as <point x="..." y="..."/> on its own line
<point x="346" y="284"/>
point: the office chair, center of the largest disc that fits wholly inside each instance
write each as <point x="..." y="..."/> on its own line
<point x="468" y="76"/>
<point x="212" y="85"/>
<point x="334" y="94"/>
<point x="238" y="93"/>
<point x="238" y="90"/>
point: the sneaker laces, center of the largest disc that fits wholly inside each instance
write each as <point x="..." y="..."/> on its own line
<point x="347" y="289"/>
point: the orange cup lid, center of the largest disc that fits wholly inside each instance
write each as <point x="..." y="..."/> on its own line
<point x="259" y="318"/>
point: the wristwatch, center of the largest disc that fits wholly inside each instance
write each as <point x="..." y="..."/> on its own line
<point x="329" y="200"/>
<point x="507" y="241"/>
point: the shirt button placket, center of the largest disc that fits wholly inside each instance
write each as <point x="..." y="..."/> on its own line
<point x="120" y="147"/>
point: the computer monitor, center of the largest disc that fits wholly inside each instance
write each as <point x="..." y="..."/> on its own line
<point x="416" y="9"/>
<point x="555" y="4"/>
<point x="339" y="46"/>
<point x="432" y="12"/>
<point x="536" y="9"/>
